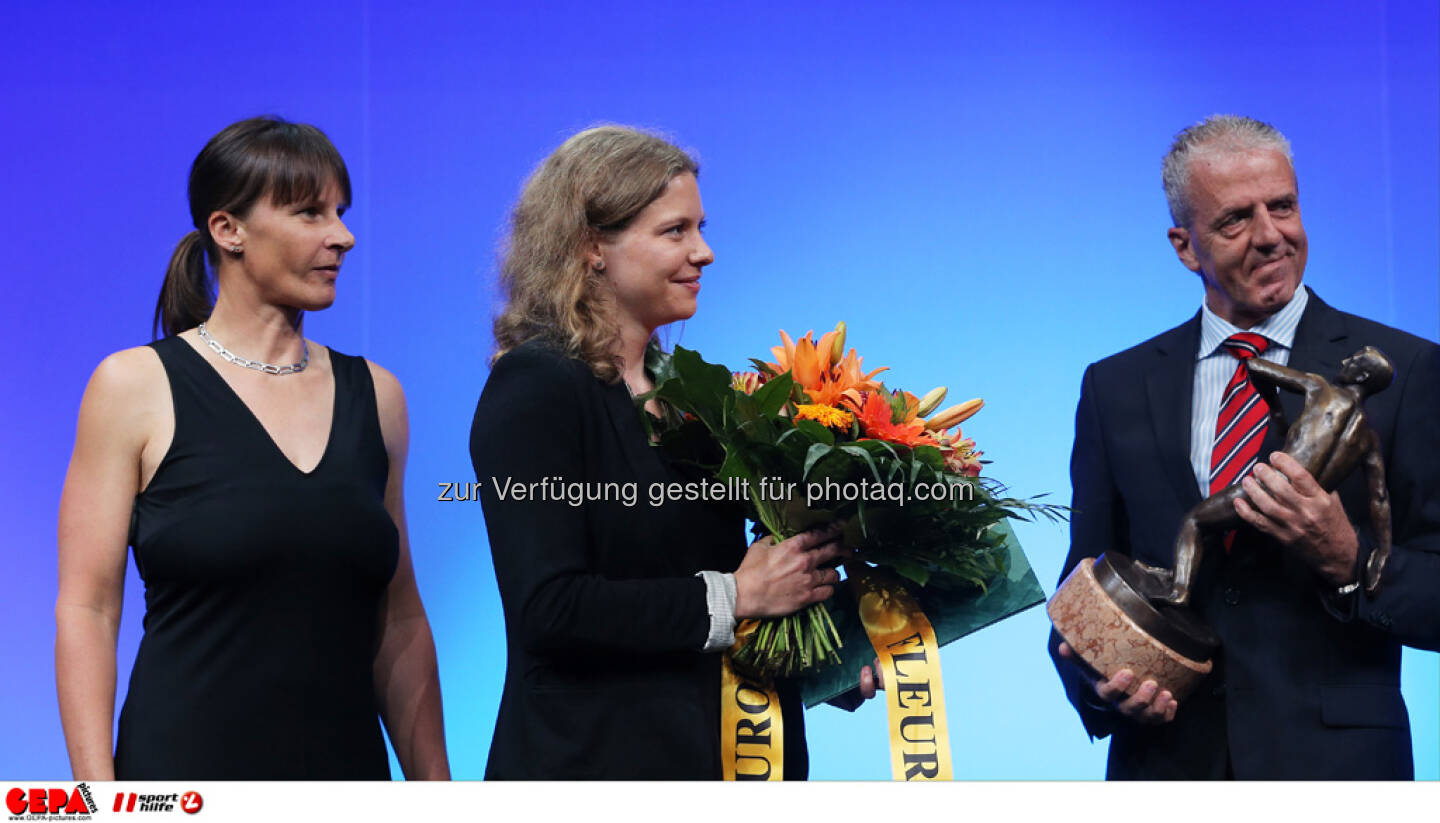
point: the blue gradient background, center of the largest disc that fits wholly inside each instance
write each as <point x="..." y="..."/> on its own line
<point x="974" y="190"/>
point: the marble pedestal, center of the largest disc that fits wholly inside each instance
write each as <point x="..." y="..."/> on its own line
<point x="1111" y="627"/>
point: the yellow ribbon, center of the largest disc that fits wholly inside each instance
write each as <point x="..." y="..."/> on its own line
<point x="910" y="657"/>
<point x="752" y="744"/>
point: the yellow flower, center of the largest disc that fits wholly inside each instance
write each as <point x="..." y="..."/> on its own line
<point x="824" y="415"/>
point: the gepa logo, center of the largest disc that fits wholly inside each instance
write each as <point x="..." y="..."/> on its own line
<point x="56" y="802"/>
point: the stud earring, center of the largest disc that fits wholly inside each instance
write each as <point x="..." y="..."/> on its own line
<point x="600" y="267"/>
<point x="235" y="249"/>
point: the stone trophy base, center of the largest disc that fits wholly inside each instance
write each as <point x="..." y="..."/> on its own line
<point x="1102" y="610"/>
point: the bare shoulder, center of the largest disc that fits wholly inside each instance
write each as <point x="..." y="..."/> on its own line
<point x="388" y="391"/>
<point x="390" y="403"/>
<point x="127" y="402"/>
<point x="127" y="373"/>
<point x="128" y="385"/>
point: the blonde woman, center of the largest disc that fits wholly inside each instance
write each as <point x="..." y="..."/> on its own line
<point x="616" y="611"/>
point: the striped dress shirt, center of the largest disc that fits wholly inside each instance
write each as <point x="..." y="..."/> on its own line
<point x="1214" y="366"/>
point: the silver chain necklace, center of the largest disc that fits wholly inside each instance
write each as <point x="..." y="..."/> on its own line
<point x="269" y="368"/>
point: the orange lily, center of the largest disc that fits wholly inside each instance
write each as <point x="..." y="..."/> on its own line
<point x="808" y="364"/>
<point x="814" y="369"/>
<point x="822" y="351"/>
<point x="849" y="381"/>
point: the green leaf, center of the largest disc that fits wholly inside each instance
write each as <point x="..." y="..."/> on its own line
<point x="817" y="452"/>
<point x="735" y="465"/>
<point x="764" y="368"/>
<point x="875" y="447"/>
<point x="856" y="451"/>
<point x="692" y="385"/>
<point x="772" y="396"/>
<point x="911" y="571"/>
<point x="930" y="456"/>
<point x="798" y="517"/>
<point x="815" y="431"/>
<point x="793" y="432"/>
<point x="747" y="409"/>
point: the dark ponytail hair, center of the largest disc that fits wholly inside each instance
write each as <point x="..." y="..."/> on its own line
<point x="260" y="157"/>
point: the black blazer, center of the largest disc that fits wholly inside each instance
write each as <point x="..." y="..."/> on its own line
<point x="1304" y="686"/>
<point x="604" y="618"/>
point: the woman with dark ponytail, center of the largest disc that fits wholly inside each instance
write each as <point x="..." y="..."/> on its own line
<point x="258" y="477"/>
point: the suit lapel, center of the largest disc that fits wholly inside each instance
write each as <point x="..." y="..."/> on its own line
<point x="1321" y="342"/>
<point x="1170" y="387"/>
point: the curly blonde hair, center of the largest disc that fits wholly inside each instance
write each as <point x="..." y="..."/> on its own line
<point x="591" y="187"/>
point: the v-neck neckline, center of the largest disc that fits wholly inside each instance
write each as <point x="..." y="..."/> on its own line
<point x="260" y="426"/>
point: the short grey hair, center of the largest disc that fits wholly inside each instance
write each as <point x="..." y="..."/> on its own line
<point x="1216" y="134"/>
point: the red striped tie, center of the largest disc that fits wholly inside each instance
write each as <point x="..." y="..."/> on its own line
<point x="1244" y="416"/>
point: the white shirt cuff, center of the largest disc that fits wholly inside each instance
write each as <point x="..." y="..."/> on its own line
<point x="720" y="601"/>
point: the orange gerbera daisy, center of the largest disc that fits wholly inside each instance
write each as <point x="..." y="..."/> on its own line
<point x="877" y="416"/>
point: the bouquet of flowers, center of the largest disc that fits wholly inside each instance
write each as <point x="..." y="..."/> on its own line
<point x="815" y="438"/>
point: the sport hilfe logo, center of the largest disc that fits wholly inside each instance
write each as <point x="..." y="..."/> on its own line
<point x="189" y="802"/>
<point x="50" y="801"/>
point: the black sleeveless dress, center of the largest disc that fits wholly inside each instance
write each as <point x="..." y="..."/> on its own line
<point x="262" y="590"/>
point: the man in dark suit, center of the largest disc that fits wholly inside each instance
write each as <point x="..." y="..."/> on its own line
<point x="1307" y="682"/>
